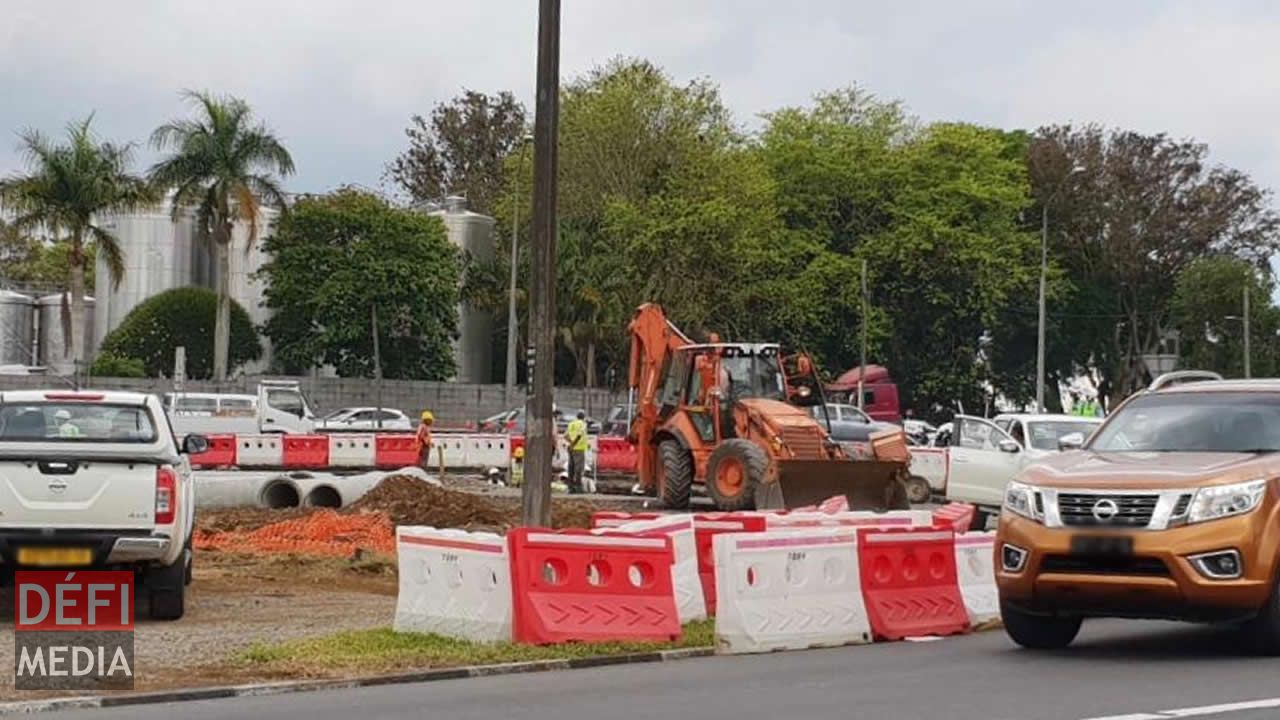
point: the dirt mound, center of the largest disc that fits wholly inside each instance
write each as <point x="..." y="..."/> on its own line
<point x="411" y="501"/>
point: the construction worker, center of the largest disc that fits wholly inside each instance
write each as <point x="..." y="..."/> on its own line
<point x="423" y="439"/>
<point x="576" y="437"/>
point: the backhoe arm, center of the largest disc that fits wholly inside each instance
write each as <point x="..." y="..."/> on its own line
<point x="653" y="340"/>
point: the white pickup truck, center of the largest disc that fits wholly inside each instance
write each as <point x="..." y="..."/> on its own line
<point x="97" y="480"/>
<point x="279" y="407"/>
<point x="983" y="455"/>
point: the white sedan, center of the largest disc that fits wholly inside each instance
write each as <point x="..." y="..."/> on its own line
<point x="365" y="418"/>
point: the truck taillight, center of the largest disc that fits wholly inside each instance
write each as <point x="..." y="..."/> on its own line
<point x="166" y="495"/>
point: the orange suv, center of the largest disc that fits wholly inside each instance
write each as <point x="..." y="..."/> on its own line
<point x="1170" y="509"/>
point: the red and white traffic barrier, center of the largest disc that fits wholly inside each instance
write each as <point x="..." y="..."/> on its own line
<point x="453" y="583"/>
<point x="909" y="583"/>
<point x="690" y="603"/>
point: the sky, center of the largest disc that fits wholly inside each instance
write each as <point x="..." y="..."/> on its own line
<point x="339" y="80"/>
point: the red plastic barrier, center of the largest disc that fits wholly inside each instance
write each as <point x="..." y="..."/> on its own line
<point x="306" y="451"/>
<point x="909" y="583"/>
<point x="707" y="526"/>
<point x="395" y="451"/>
<point x="221" y="453"/>
<point x="612" y="518"/>
<point x="575" y="586"/>
<point x="957" y="516"/>
<point x="615" y="454"/>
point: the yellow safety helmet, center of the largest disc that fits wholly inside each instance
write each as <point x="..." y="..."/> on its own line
<point x="427" y="416"/>
<point x="519" y="453"/>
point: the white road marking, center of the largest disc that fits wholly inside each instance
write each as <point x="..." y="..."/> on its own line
<point x="1197" y="711"/>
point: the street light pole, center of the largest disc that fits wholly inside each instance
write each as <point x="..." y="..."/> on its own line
<point x="1044" y="271"/>
<point x="1248" y="370"/>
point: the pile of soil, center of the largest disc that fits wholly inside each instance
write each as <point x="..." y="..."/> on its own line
<point x="409" y="500"/>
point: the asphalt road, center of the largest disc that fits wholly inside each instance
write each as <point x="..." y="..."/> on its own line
<point x="1116" y="670"/>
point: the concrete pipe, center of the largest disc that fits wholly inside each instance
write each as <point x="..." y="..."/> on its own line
<point x="279" y="494"/>
<point x="323" y="496"/>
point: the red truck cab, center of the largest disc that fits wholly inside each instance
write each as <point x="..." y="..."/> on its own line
<point x="879" y="393"/>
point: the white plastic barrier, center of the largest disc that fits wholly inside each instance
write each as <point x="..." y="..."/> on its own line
<point x="690" y="603"/>
<point x="975" y="570"/>
<point x="488" y="451"/>
<point x="455" y="451"/>
<point x="259" y="451"/>
<point x="453" y="583"/>
<point x="788" y="590"/>
<point x="854" y="518"/>
<point x="358" y="451"/>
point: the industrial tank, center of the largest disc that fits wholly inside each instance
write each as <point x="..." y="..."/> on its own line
<point x="159" y="254"/>
<point x="52" y="339"/>
<point x="244" y="287"/>
<point x="17" y="323"/>
<point x="472" y="233"/>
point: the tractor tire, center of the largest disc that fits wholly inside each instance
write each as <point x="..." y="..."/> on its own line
<point x="734" y="471"/>
<point x="918" y="490"/>
<point x="675" y="479"/>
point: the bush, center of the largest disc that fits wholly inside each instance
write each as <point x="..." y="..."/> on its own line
<point x="111" y="365"/>
<point x="181" y="317"/>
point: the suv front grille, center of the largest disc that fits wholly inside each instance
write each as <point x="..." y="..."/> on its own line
<point x="1131" y="510"/>
<point x="1104" y="565"/>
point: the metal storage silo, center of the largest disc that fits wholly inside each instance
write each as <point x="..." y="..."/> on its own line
<point x="17" y="322"/>
<point x="249" y="291"/>
<point x="159" y="254"/>
<point x="473" y="234"/>
<point x="52" y="343"/>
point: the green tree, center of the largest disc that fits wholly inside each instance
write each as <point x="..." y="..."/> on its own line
<point x="1207" y="310"/>
<point x="67" y="188"/>
<point x="25" y="260"/>
<point x="181" y="317"/>
<point x="335" y="259"/>
<point x="225" y="166"/>
<point x="461" y="149"/>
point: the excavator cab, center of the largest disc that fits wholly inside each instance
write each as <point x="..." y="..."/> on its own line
<point x="734" y="417"/>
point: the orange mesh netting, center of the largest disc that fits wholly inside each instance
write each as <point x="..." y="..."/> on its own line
<point x="323" y="532"/>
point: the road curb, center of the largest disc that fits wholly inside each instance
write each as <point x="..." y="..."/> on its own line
<point x="27" y="707"/>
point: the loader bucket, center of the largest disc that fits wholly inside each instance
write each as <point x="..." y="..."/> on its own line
<point x="867" y="484"/>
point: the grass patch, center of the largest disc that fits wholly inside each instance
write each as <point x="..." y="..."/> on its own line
<point x="382" y="649"/>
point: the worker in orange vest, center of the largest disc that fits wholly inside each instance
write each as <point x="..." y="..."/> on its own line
<point x="423" y="439"/>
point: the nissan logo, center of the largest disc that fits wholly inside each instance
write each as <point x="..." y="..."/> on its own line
<point x="1105" y="509"/>
<point x="57" y="486"/>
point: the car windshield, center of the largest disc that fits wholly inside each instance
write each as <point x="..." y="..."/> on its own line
<point x="1045" y="434"/>
<point x="1194" y="422"/>
<point x="75" y="422"/>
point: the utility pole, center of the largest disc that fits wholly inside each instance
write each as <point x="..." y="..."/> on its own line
<point x="862" y="370"/>
<point x="1247" y="354"/>
<point x="540" y="430"/>
<point x="377" y="363"/>
<point x="1044" y="271"/>
<point x="513" y="323"/>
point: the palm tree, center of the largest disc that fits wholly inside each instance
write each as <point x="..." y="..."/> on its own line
<point x="66" y="188"/>
<point x="223" y="164"/>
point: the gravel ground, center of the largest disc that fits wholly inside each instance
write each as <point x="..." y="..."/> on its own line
<point x="233" y="603"/>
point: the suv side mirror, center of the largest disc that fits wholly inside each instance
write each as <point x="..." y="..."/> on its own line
<point x="1009" y="446"/>
<point x="195" y="444"/>
<point x="1071" y="441"/>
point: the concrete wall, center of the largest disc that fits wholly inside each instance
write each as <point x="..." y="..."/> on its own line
<point x="451" y="402"/>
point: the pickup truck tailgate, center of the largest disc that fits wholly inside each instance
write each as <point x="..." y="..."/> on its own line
<point x="79" y="494"/>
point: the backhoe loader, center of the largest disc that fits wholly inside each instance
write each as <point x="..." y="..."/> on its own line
<point x="734" y="417"/>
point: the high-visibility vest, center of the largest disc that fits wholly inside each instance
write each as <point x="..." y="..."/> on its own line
<point x="576" y="434"/>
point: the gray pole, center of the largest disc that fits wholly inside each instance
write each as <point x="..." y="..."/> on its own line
<point x="1044" y="270"/>
<point x="1247" y="354"/>
<point x="540" y="432"/>
<point x="377" y="363"/>
<point x="512" y="322"/>
<point x="862" y="371"/>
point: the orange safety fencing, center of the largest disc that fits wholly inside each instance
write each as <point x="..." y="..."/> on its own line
<point x="323" y="532"/>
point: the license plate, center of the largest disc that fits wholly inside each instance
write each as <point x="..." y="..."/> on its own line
<point x="1102" y="545"/>
<point x="55" y="556"/>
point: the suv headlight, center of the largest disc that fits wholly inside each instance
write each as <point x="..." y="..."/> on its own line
<point x="1021" y="499"/>
<point x="1222" y="501"/>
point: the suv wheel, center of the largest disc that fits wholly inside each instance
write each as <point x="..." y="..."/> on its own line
<point x="1264" y="630"/>
<point x="1038" y="632"/>
<point x="166" y="590"/>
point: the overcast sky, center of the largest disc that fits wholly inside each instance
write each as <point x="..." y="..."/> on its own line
<point x="339" y="80"/>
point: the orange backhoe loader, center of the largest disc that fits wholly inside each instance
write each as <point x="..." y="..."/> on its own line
<point x="735" y="417"/>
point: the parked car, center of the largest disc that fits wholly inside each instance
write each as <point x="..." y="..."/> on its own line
<point x="513" y="421"/>
<point x="364" y="418"/>
<point x="98" y="480"/>
<point x="1039" y="435"/>
<point x="1169" y="510"/>
<point x="848" y="423"/>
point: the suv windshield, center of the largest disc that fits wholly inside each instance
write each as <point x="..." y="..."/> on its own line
<point x="75" y="422"/>
<point x="1194" y="422"/>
